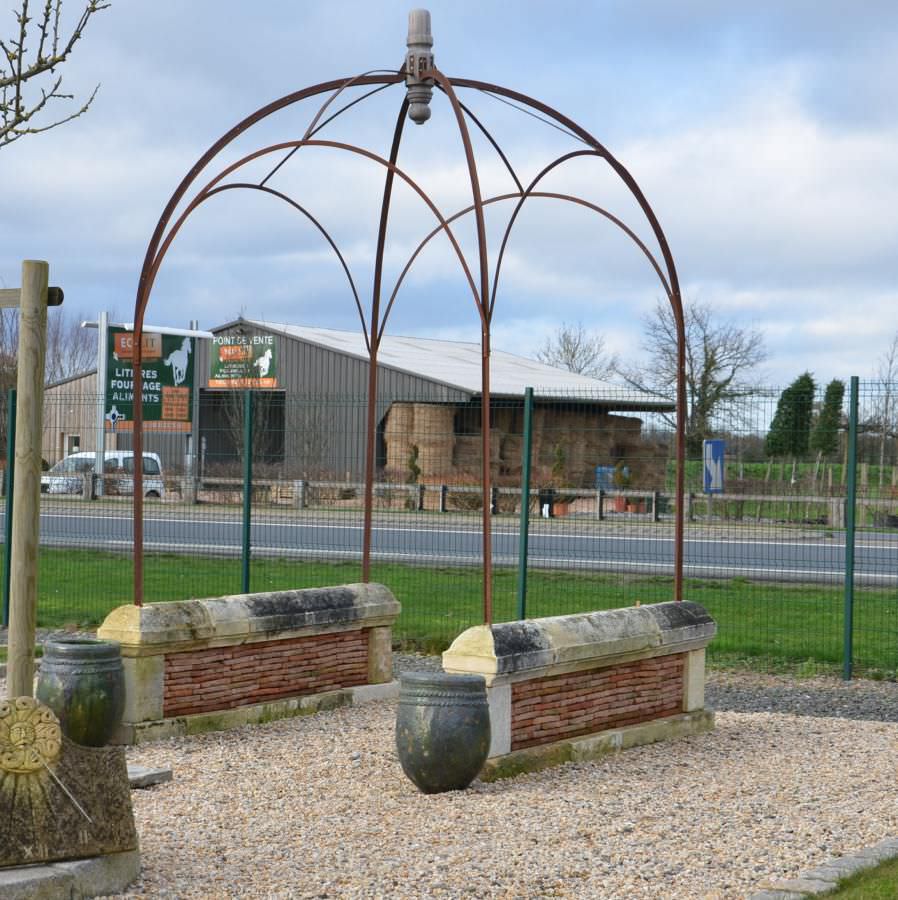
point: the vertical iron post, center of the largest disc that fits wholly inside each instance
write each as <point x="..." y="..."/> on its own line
<point x="247" y="486"/>
<point x="10" y="483"/>
<point x="102" y="380"/>
<point x="485" y="477"/>
<point x="191" y="467"/>
<point x="850" y="505"/>
<point x="524" y="531"/>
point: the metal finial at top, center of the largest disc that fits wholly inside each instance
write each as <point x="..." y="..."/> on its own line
<point x="419" y="60"/>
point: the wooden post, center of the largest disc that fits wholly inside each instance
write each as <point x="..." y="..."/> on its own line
<point x="27" y="478"/>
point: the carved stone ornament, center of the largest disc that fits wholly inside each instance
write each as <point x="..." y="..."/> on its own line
<point x="58" y="800"/>
<point x="30" y="736"/>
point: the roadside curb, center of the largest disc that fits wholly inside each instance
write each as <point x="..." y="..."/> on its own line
<point x="824" y="878"/>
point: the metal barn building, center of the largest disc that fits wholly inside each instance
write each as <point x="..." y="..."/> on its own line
<point x="310" y="389"/>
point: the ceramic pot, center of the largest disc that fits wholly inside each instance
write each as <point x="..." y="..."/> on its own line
<point x="442" y="729"/>
<point x="83" y="682"/>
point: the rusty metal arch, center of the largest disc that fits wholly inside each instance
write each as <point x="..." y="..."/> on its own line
<point x="484" y="297"/>
<point x="209" y="190"/>
<point x="546" y="195"/>
<point x="220" y="189"/>
<point x="213" y="187"/>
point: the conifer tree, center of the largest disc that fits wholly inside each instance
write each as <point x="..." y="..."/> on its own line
<point x="790" y="430"/>
<point x="825" y="436"/>
<point x="803" y="389"/>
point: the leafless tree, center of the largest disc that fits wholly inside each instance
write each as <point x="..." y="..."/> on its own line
<point x="9" y="340"/>
<point x="30" y="87"/>
<point x="719" y="356"/>
<point x="266" y="439"/>
<point x="310" y="429"/>
<point x="886" y="418"/>
<point x="574" y="348"/>
<point x="71" y="349"/>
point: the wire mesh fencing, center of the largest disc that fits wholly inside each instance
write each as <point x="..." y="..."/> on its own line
<point x="791" y="512"/>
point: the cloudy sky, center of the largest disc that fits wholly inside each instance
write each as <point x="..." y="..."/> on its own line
<point x="764" y="135"/>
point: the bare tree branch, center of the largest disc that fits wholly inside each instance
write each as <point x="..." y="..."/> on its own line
<point x="886" y="415"/>
<point x="573" y="348"/>
<point x="17" y="69"/>
<point x="71" y="349"/>
<point x="718" y="357"/>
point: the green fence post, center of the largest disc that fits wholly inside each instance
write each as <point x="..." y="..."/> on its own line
<point x="525" y="503"/>
<point x="247" y="484"/>
<point x="8" y="476"/>
<point x="850" y="505"/>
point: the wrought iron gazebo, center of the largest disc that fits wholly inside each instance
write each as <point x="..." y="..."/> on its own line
<point x="420" y="77"/>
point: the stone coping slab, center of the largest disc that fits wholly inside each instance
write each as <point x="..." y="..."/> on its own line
<point x="97" y="876"/>
<point x="159" y="628"/>
<point x="528" y="649"/>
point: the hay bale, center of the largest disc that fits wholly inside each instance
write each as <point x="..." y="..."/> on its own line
<point x="434" y="436"/>
<point x="398" y="430"/>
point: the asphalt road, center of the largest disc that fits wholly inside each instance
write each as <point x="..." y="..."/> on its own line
<point x="749" y="552"/>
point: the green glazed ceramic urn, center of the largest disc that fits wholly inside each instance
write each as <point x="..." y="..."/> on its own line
<point x="442" y="729"/>
<point x="83" y="682"/>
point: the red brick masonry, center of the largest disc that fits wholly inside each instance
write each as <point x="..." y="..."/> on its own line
<point x="225" y="677"/>
<point x="564" y="706"/>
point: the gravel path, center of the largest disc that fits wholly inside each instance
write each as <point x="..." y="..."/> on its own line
<point x="796" y="772"/>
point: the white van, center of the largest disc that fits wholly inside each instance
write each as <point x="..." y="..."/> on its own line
<point x="66" y="477"/>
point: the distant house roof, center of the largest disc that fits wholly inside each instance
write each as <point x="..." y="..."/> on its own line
<point x="457" y="364"/>
<point x="69" y="379"/>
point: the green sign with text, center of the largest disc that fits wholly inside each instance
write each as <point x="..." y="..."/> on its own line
<point x="167" y="369"/>
<point x="243" y="361"/>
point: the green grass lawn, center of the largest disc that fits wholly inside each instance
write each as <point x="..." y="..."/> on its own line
<point x="761" y="624"/>
<point x="780" y="471"/>
<point x="880" y="883"/>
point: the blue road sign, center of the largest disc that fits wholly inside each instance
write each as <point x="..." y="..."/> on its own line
<point x="712" y="454"/>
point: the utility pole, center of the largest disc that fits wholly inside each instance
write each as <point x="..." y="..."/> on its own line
<point x="102" y="378"/>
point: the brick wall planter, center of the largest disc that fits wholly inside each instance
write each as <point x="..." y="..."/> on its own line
<point x="205" y="665"/>
<point x="576" y="687"/>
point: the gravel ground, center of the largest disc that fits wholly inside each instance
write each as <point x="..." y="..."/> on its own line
<point x="796" y="772"/>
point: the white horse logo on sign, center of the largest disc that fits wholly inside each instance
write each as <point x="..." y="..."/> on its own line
<point x="178" y="359"/>
<point x="264" y="363"/>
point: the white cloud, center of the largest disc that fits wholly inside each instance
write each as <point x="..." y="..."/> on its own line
<point x="767" y="189"/>
<point x="779" y="210"/>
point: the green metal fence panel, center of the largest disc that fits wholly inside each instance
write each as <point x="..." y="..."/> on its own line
<point x="850" y="533"/>
<point x="246" y="531"/>
<point x="524" y="532"/>
<point x="766" y="552"/>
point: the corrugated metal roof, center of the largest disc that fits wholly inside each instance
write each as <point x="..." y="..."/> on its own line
<point x="457" y="364"/>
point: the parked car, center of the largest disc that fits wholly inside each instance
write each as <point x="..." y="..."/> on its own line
<point x="67" y="476"/>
